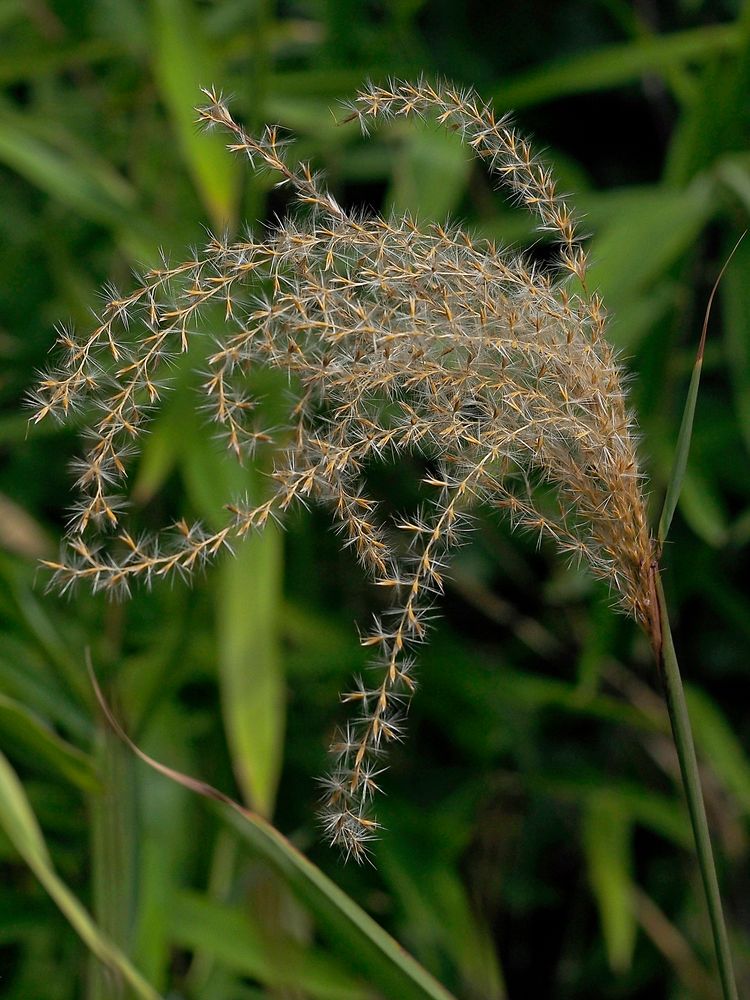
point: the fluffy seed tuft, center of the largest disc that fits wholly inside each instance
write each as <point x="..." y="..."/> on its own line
<point x="401" y="338"/>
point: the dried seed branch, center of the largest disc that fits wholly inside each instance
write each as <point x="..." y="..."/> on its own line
<point x="400" y="338"/>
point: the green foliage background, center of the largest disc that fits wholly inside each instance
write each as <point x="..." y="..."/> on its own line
<point x="537" y="844"/>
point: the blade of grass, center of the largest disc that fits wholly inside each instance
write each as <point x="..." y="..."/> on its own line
<point x="219" y="888"/>
<point x="182" y="65"/>
<point x="614" y="65"/>
<point x="429" y="175"/>
<point x="248" y="599"/>
<point x="377" y="955"/>
<point x="718" y="743"/>
<point x="671" y="678"/>
<point x="53" y="160"/>
<point x="638" y="239"/>
<point x="25" y="678"/>
<point x="31" y="63"/>
<point x="251" y="670"/>
<point x="25" y="731"/>
<point x="608" y="848"/>
<point x="663" y="814"/>
<point x="32" y="613"/>
<point x="161" y="861"/>
<point x="686" y="427"/>
<point x="735" y="304"/>
<point x="239" y="940"/>
<point x="19" y="823"/>
<point x="113" y="836"/>
<point x="423" y="877"/>
<point x="374" y="952"/>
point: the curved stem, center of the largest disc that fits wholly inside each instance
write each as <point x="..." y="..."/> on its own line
<point x="683" y="737"/>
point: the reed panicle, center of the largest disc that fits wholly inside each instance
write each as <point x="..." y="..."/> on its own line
<point x="399" y="338"/>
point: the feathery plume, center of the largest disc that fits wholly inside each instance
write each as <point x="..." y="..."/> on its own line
<point x="399" y="338"/>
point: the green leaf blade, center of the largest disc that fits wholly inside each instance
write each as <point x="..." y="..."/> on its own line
<point x="608" y="850"/>
<point x="19" y="823"/>
<point x="253" y="692"/>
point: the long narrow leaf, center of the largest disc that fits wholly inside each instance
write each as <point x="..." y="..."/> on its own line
<point x="735" y="307"/>
<point x="252" y="682"/>
<point x="31" y="63"/>
<point x="367" y="946"/>
<point x="686" y="427"/>
<point x="52" y="160"/>
<point x="19" y="823"/>
<point x="25" y="731"/>
<point x="183" y="64"/>
<point x="347" y="926"/>
<point x="608" y="848"/>
<point x="429" y="175"/>
<point x="113" y="833"/>
<point x="614" y="65"/>
<point x="240" y="941"/>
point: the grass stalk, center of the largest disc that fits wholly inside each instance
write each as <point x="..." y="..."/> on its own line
<point x="683" y="737"/>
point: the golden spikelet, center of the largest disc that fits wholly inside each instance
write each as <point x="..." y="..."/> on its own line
<point x="400" y="338"/>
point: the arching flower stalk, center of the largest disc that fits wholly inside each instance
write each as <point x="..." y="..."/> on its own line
<point x="399" y="338"/>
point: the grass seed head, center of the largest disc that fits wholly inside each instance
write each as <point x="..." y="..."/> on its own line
<point x="400" y="338"/>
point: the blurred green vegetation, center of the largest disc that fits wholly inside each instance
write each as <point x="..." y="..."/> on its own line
<point x="536" y="842"/>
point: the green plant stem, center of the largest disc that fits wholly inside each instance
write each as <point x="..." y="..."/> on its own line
<point x="683" y="737"/>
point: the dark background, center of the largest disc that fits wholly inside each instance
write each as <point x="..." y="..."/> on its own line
<point x="536" y="841"/>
